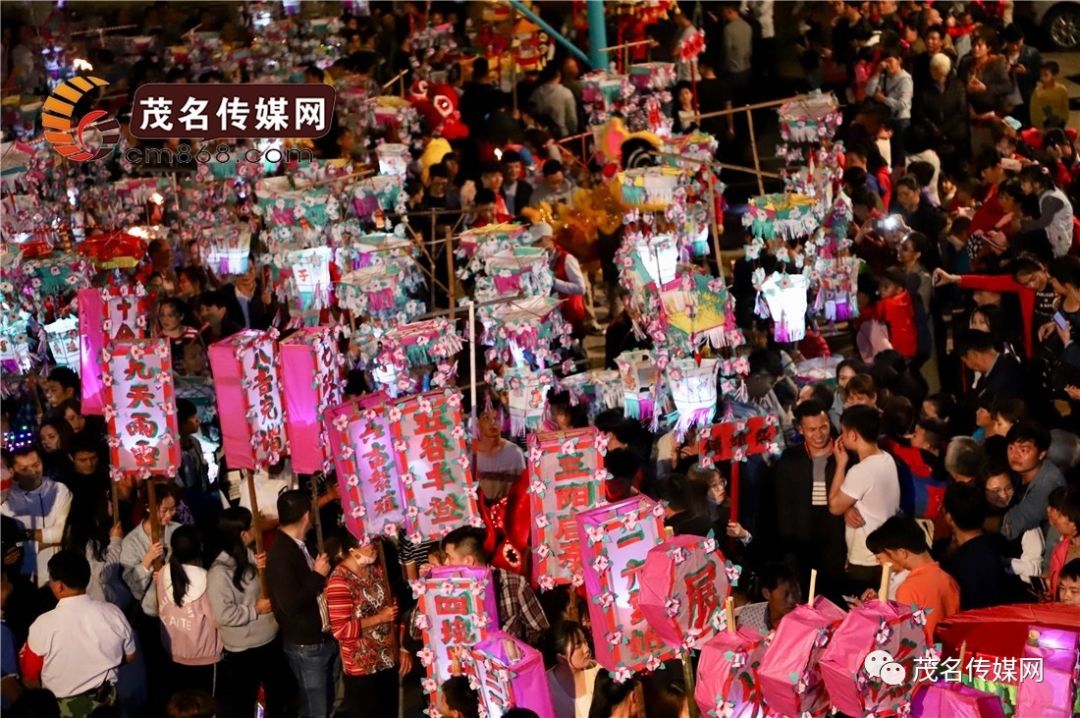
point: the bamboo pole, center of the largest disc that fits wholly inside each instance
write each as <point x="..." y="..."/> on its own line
<point x="626" y="45"/>
<point x="813" y="585"/>
<point x="450" y="278"/>
<point x="753" y="149"/>
<point x="688" y="681"/>
<point x="155" y="526"/>
<point x="316" y="515"/>
<point x="714" y="222"/>
<point x="756" y="106"/>
<point x="256" y="526"/>
<point x="729" y="614"/>
<point x="883" y="590"/>
<point x="394" y="645"/>
<point x="393" y="80"/>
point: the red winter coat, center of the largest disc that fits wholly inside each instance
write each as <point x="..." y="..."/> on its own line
<point x="898" y="313"/>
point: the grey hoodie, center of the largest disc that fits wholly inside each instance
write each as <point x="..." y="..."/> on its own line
<point x="240" y="626"/>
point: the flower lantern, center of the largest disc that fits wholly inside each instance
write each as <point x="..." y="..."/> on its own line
<point x="528" y="391"/>
<point x="693" y="391"/>
<point x="639" y="374"/>
<point x="63" y="335"/>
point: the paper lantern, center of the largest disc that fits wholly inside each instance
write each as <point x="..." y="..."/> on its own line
<point x="520" y="271"/>
<point x="651" y="189"/>
<point x="311" y="381"/>
<point x="307" y="277"/>
<point x="566" y="476"/>
<point x="599" y="389"/>
<point x="382" y="194"/>
<point x="660" y="257"/>
<point x="369" y="481"/>
<point x="527" y="398"/>
<point x="510" y="674"/>
<point x="393" y="159"/>
<point x="63" y="337"/>
<point x="382" y="291"/>
<point x="873" y="626"/>
<point x="396" y="353"/>
<point x="106" y="315"/>
<point x="525" y="332"/>
<point x="728" y="683"/>
<point x="438" y="484"/>
<point x="618" y="537"/>
<point x="638" y="372"/>
<point x="226" y="248"/>
<point x="456" y="608"/>
<point x="683" y="588"/>
<point x="693" y="390"/>
<point x="249" y="399"/>
<point x="790" y="678"/>
<point x="653" y="75"/>
<point x="140" y="409"/>
<point x="955" y="700"/>
<point x="14" y="343"/>
<point x="810" y="119"/>
<point x="785" y="297"/>
<point x="280" y="202"/>
<point x="1054" y="693"/>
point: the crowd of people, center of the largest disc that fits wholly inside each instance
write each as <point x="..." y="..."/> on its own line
<point x="945" y="444"/>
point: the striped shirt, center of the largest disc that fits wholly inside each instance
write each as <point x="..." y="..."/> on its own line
<point x="820" y="494"/>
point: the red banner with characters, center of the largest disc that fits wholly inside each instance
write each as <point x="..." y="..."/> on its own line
<point x="140" y="408"/>
<point x="106" y="315"/>
<point x="566" y="477"/>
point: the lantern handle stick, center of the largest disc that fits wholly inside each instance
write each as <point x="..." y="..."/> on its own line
<point x="813" y="585"/>
<point x="688" y="681"/>
<point x="963" y="655"/>
<point x="394" y="644"/>
<point x="883" y="591"/>
<point x="316" y="516"/>
<point x="155" y="526"/>
<point x="256" y="526"/>
<point x="729" y="613"/>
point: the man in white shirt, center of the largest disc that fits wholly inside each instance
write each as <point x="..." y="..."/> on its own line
<point x="41" y="506"/>
<point x="75" y="649"/>
<point x="866" y="495"/>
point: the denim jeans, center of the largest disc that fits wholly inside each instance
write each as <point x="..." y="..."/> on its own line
<point x="316" y="667"/>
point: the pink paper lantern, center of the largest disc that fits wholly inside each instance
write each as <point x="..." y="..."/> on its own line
<point x="311" y="368"/>
<point x="955" y="700"/>
<point x="140" y="408"/>
<point x="790" y="679"/>
<point x="105" y="315"/>
<point x="873" y="626"/>
<point x="1053" y="694"/>
<point x="249" y="400"/>
<point x="510" y="674"/>
<point x="618" y="537"/>
<point x="456" y="609"/>
<point x="683" y="588"/>
<point x="368" y="478"/>
<point x="566" y="476"/>
<point x="727" y="675"/>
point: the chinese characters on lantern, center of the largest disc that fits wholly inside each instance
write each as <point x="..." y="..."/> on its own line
<point x="509" y="674"/>
<point x="140" y="408"/>
<point x="436" y="477"/>
<point x="615" y="541"/>
<point x="403" y="463"/>
<point x="105" y="316"/>
<point x="566" y="477"/>
<point x="456" y="610"/>
<point x="367" y="472"/>
<point x="684" y="585"/>
<point x="249" y="399"/>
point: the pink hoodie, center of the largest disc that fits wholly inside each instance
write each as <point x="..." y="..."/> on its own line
<point x="188" y="632"/>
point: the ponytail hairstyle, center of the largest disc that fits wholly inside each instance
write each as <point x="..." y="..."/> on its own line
<point x="1038" y="175"/>
<point x="235" y="520"/>
<point x="186" y="549"/>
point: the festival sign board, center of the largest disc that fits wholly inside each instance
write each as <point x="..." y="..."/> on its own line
<point x="566" y="476"/>
<point x="618" y="537"/>
<point x="140" y="408"/>
<point x="249" y="399"/>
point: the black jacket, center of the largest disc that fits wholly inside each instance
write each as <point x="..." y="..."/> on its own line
<point x="294" y="592"/>
<point x="810" y="534"/>
<point x="1006" y="378"/>
<point x="943" y="113"/>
